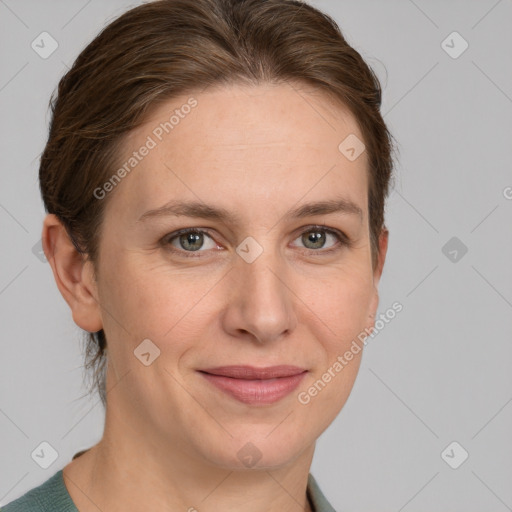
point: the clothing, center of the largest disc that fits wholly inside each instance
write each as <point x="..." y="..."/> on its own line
<point x="52" y="496"/>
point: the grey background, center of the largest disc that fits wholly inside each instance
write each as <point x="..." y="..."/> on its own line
<point x="439" y="372"/>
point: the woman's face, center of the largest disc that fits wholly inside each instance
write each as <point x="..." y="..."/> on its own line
<point x="256" y="286"/>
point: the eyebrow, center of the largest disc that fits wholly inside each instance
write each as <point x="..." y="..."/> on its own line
<point x="202" y="210"/>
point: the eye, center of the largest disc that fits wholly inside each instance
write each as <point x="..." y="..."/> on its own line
<point x="190" y="240"/>
<point x="315" y="238"/>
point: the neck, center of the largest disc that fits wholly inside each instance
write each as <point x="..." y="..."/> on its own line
<point x="125" y="471"/>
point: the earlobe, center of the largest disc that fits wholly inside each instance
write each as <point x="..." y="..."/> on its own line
<point x="73" y="275"/>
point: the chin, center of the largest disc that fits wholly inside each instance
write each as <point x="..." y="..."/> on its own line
<point x="258" y="449"/>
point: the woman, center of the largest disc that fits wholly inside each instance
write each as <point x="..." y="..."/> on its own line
<point x="215" y="178"/>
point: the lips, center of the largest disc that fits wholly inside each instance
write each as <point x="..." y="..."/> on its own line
<point x="255" y="386"/>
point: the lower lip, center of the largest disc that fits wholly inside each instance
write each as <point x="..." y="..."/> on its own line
<point x="254" y="392"/>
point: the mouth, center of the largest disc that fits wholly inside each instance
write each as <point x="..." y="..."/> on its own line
<point x="255" y="386"/>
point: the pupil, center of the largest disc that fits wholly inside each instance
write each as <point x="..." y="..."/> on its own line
<point x="188" y="240"/>
<point x="316" y="238"/>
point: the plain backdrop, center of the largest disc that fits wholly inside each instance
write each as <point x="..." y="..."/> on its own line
<point x="435" y="385"/>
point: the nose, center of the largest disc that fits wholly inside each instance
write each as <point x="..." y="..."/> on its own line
<point x="261" y="302"/>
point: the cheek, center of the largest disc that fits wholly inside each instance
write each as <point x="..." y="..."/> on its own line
<point x="341" y="307"/>
<point x="130" y="295"/>
<point x="342" y="303"/>
<point x="158" y="303"/>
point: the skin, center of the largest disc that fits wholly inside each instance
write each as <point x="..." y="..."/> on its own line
<point x="171" y="439"/>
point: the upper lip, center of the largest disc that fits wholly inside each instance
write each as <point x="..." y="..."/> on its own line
<point x="252" y="372"/>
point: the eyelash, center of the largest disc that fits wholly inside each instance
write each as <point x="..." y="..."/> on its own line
<point x="342" y="239"/>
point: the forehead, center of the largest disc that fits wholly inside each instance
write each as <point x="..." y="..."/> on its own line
<point x="243" y="142"/>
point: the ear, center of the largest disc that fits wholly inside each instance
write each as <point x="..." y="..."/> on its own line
<point x="377" y="273"/>
<point x="73" y="275"/>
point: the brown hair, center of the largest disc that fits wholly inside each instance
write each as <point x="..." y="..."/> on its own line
<point x="165" y="48"/>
